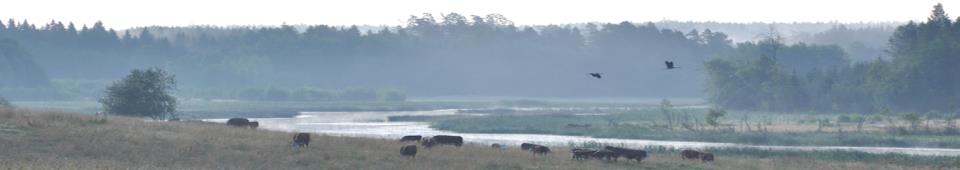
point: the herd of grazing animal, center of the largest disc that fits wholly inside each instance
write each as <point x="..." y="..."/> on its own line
<point x="608" y="153"/>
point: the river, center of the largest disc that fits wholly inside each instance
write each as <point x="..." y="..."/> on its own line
<point x="374" y="125"/>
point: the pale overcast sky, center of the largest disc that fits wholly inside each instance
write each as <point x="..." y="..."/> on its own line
<point x="121" y="14"/>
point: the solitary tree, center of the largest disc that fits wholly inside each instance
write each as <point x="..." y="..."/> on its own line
<point x="665" y="107"/>
<point x="713" y="117"/>
<point x="142" y="93"/>
<point x="5" y="103"/>
<point x="912" y="118"/>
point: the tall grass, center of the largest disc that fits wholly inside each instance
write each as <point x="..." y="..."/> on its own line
<point x="52" y="140"/>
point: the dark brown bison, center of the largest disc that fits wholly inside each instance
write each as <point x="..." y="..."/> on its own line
<point x="448" y="140"/>
<point x="410" y="138"/>
<point x="690" y="154"/>
<point x="635" y="154"/>
<point x="238" y="122"/>
<point x="581" y="154"/>
<point x="527" y="146"/>
<point x="541" y="150"/>
<point x="496" y="146"/>
<point x="409" y="150"/>
<point x="301" y="140"/>
<point x="707" y="157"/>
<point x="428" y="142"/>
<point x="606" y="155"/>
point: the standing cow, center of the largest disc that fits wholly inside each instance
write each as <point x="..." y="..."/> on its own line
<point x="409" y="150"/>
<point x="301" y="140"/>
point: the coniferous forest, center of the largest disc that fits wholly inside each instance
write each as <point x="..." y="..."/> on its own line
<point x="919" y="74"/>
<point x="459" y="55"/>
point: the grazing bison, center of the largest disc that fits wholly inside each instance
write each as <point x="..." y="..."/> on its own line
<point x="707" y="157"/>
<point x="242" y="122"/>
<point x="409" y="138"/>
<point x="527" y="146"/>
<point x="690" y="154"/>
<point x="301" y="140"/>
<point x="542" y="150"/>
<point x="496" y="146"/>
<point x="606" y="155"/>
<point x="581" y="154"/>
<point x="428" y="142"/>
<point x="635" y="154"/>
<point x="409" y="150"/>
<point x="448" y="140"/>
<point x="238" y="122"/>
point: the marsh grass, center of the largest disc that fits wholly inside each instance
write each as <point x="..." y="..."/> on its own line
<point x="54" y="140"/>
<point x="779" y="129"/>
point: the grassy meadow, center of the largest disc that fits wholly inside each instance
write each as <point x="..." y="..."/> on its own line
<point x="197" y="108"/>
<point x="760" y="128"/>
<point x="57" y="140"/>
<point x="204" y="109"/>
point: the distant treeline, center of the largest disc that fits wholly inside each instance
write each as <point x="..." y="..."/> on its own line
<point x="304" y="94"/>
<point x="862" y="41"/>
<point x="921" y="74"/>
<point x="450" y="55"/>
<point x="17" y="68"/>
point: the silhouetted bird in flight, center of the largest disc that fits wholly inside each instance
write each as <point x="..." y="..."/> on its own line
<point x="670" y="65"/>
<point x="596" y="75"/>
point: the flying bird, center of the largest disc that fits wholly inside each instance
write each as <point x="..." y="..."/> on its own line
<point x="670" y="65"/>
<point x="597" y="75"/>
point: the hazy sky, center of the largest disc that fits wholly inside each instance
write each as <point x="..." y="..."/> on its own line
<point x="122" y="14"/>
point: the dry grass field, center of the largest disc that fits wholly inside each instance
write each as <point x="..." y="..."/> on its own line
<point x="54" y="140"/>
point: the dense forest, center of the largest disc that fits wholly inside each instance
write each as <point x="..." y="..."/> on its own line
<point x="450" y="55"/>
<point x="918" y="76"/>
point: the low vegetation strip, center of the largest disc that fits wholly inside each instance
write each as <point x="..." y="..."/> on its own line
<point x="740" y="127"/>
